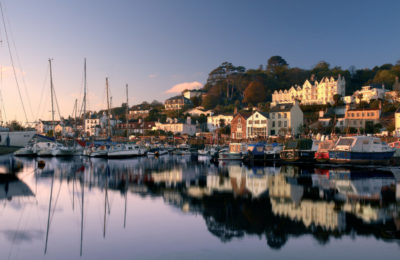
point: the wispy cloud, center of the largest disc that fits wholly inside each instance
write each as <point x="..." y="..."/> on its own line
<point x="152" y="76"/>
<point x="178" y="88"/>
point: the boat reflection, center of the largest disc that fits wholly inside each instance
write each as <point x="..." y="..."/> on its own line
<point x="276" y="203"/>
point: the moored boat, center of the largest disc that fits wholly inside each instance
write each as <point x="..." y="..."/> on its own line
<point x="361" y="150"/>
<point x="235" y="152"/>
<point x="299" y="151"/>
<point x="322" y="154"/>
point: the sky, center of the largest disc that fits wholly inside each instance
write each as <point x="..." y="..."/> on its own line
<point x="161" y="47"/>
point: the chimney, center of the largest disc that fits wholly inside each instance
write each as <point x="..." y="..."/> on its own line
<point x="188" y="120"/>
<point x="235" y="111"/>
<point x="312" y="78"/>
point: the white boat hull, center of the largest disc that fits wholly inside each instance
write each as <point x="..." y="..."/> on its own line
<point x="18" y="138"/>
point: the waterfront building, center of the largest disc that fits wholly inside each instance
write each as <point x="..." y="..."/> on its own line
<point x="92" y="126"/>
<point x="285" y="119"/>
<point x="43" y="127"/>
<point x="177" y="126"/>
<point x="216" y="121"/>
<point x="136" y="127"/>
<point x="312" y="92"/>
<point x="177" y="103"/>
<point x="239" y="126"/>
<point x="257" y="125"/>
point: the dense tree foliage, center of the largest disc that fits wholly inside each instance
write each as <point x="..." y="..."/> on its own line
<point x="227" y="84"/>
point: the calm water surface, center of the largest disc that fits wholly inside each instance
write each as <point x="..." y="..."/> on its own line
<point x="179" y="207"/>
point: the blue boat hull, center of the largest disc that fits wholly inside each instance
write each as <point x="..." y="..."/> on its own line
<point x="360" y="157"/>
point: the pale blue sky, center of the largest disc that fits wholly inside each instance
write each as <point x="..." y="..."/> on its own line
<point x="154" y="45"/>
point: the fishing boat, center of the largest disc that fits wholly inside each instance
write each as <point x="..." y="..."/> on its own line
<point x="261" y="152"/>
<point x="322" y="154"/>
<point x="299" y="151"/>
<point x="361" y="150"/>
<point x="235" y="152"/>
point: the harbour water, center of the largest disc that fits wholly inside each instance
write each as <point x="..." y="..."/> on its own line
<point x="182" y="207"/>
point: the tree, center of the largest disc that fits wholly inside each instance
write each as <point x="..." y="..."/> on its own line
<point x="276" y="62"/>
<point x="255" y="93"/>
<point x="336" y="99"/>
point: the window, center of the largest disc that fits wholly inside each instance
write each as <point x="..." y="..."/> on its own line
<point x="352" y="114"/>
<point x="358" y="114"/>
<point x="273" y="115"/>
<point x="279" y="115"/>
<point x="263" y="121"/>
<point x="279" y="123"/>
<point x="284" y="115"/>
<point x="273" y="123"/>
<point x="256" y="115"/>
<point x="372" y="113"/>
<point x="257" y="122"/>
<point x="250" y="121"/>
<point x="285" y="124"/>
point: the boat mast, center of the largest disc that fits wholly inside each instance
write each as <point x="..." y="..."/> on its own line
<point x="108" y="109"/>
<point x="48" y="216"/>
<point x="83" y="200"/>
<point x="127" y="113"/>
<point x="84" y="90"/>
<point x="52" y="105"/>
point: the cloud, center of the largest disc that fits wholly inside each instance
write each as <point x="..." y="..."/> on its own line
<point x="8" y="71"/>
<point x="178" y="88"/>
<point x="152" y="76"/>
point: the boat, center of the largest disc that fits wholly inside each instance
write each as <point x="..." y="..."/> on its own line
<point x="98" y="152"/>
<point x="26" y="151"/>
<point x="44" y="149"/>
<point x="15" y="138"/>
<point x="235" y="152"/>
<point x="262" y="152"/>
<point x="361" y="150"/>
<point x="62" y="150"/>
<point x="322" y="154"/>
<point x="125" y="151"/>
<point x="157" y="151"/>
<point x="299" y="151"/>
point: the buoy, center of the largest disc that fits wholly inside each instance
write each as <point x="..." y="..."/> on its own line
<point x="41" y="164"/>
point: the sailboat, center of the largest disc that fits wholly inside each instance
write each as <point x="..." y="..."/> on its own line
<point x="44" y="149"/>
<point x="126" y="150"/>
<point x="102" y="151"/>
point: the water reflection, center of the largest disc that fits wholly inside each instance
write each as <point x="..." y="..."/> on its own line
<point x="272" y="203"/>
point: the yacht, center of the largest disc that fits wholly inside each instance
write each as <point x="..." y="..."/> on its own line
<point x="125" y="151"/>
<point x="26" y="151"/>
<point x="100" y="151"/>
<point x="361" y="149"/>
<point x="62" y="150"/>
<point x="44" y="149"/>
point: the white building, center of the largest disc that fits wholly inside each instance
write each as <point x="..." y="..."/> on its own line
<point x="312" y="92"/>
<point x="43" y="127"/>
<point x="91" y="124"/>
<point x="176" y="127"/>
<point x="257" y="125"/>
<point x="217" y="121"/>
<point x="368" y="93"/>
<point x="190" y="93"/>
<point x="285" y="119"/>
<point x="198" y="111"/>
<point x="397" y="122"/>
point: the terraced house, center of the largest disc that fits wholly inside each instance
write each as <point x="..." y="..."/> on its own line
<point x="285" y="119"/>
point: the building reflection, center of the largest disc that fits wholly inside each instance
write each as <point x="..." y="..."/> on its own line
<point x="276" y="203"/>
